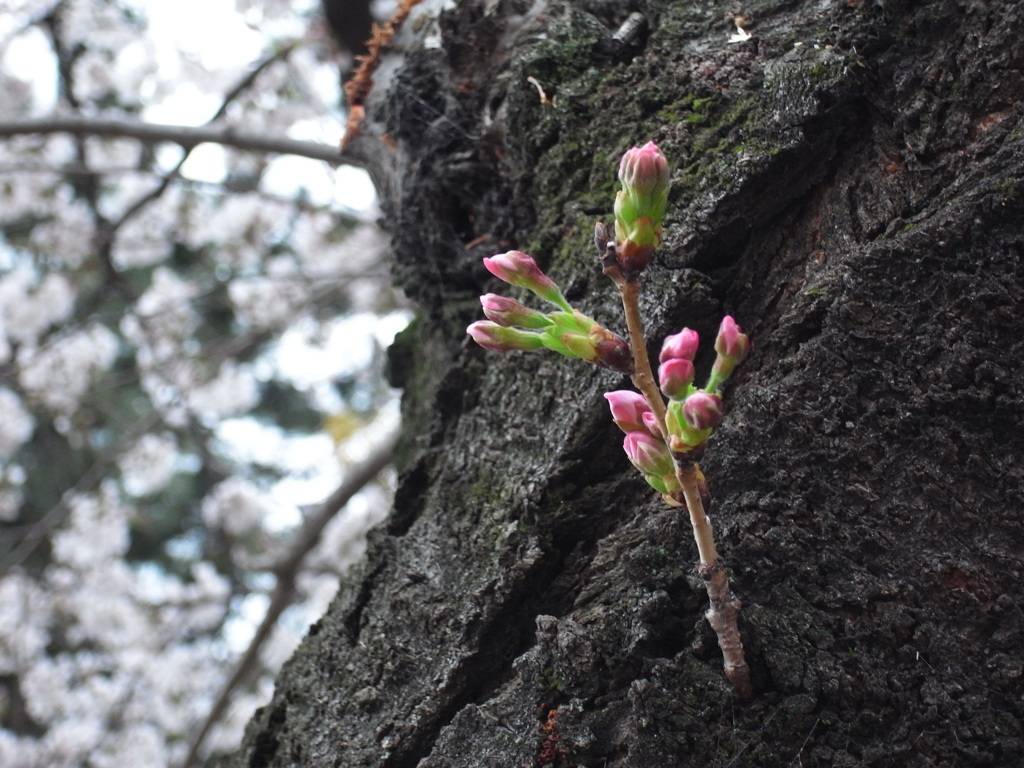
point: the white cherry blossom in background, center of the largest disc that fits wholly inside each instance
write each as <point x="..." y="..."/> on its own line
<point x="190" y="359"/>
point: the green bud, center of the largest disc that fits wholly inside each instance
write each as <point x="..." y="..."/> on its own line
<point x="681" y="436"/>
<point x="640" y="206"/>
<point x="498" y="338"/>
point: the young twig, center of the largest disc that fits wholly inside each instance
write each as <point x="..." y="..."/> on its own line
<point x="643" y="378"/>
<point x="629" y="290"/>
<point x="663" y="441"/>
<point x="686" y="471"/>
<point x="724" y="607"/>
<point x="639" y="208"/>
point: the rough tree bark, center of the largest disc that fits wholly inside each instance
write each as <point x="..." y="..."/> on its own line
<point x="848" y="186"/>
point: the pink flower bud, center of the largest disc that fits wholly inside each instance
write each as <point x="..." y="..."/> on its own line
<point x="703" y="410"/>
<point x="509" y="312"/>
<point x="517" y="268"/>
<point x="648" y="454"/>
<point x="643" y="172"/>
<point x="732" y="345"/>
<point x="731" y="341"/>
<point x="639" y="207"/>
<point x="651" y="423"/>
<point x="682" y="345"/>
<point x="629" y="410"/>
<point x="675" y="377"/>
<point x="497" y="338"/>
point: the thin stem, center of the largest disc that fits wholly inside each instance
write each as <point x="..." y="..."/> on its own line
<point x="722" y="614"/>
<point x="702" y="532"/>
<point x="643" y="376"/>
<point x="724" y="607"/>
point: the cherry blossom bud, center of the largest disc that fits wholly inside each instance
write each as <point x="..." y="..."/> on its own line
<point x="675" y="377"/>
<point x="731" y="341"/>
<point x="517" y="268"/>
<point x="648" y="454"/>
<point x="644" y="174"/>
<point x="509" y="312"/>
<point x="732" y="345"/>
<point x="640" y="206"/>
<point x="682" y="345"/>
<point x="681" y="436"/>
<point x="651" y="423"/>
<point x="703" y="410"/>
<point x="497" y="338"/>
<point x="629" y="410"/>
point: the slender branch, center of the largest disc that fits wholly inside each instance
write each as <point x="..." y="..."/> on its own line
<point x="344" y="215"/>
<point x="643" y="376"/>
<point x="702" y="532"/>
<point x="250" y="78"/>
<point x="286" y="572"/>
<point x="724" y="607"/>
<point x="182" y="135"/>
<point x="723" y="614"/>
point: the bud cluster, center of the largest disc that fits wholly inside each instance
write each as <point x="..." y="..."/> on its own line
<point x="692" y="413"/>
<point x="511" y="325"/>
<point x="644" y="444"/>
<point x="664" y="442"/>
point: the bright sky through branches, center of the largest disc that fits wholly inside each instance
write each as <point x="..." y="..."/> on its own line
<point x="209" y="339"/>
<point x="224" y="41"/>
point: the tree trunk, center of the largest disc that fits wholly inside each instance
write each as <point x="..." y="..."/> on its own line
<point x="848" y="185"/>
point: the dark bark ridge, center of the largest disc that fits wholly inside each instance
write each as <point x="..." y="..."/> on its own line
<point x="856" y="203"/>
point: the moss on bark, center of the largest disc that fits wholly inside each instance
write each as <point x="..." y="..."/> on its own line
<point x="855" y="202"/>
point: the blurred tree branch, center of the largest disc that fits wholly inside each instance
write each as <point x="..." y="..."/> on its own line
<point x="286" y="572"/>
<point x="186" y="137"/>
<point x="240" y="88"/>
